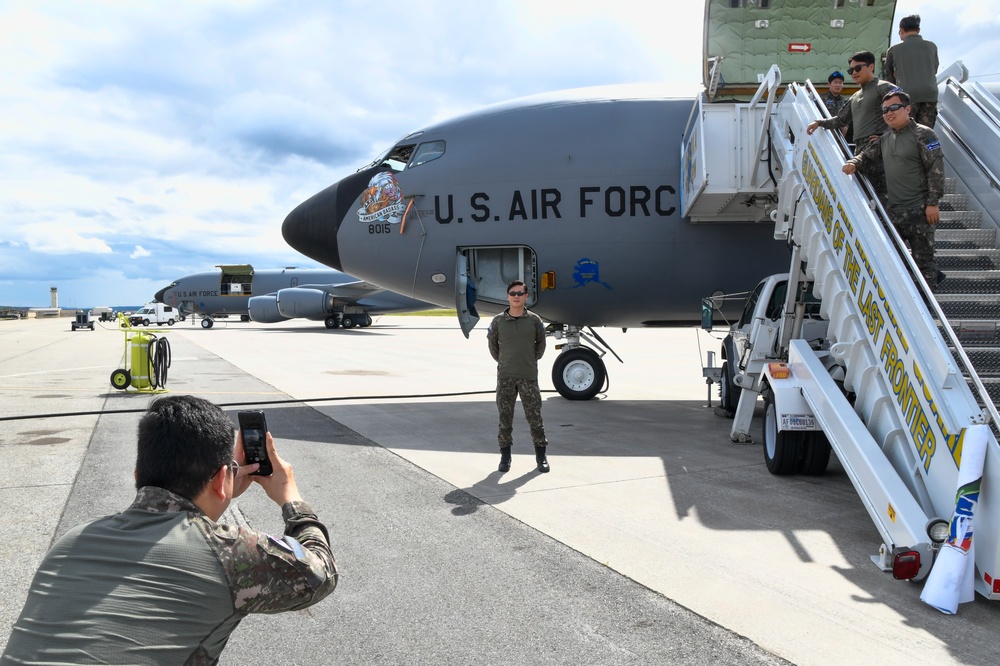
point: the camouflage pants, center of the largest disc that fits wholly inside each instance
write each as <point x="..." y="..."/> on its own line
<point x="924" y="113"/>
<point x="531" y="400"/>
<point x="911" y="223"/>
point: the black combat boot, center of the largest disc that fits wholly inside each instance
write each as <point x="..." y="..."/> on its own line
<point x="543" y="463"/>
<point x="504" y="459"/>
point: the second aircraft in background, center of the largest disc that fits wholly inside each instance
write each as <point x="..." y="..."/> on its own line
<point x="277" y="294"/>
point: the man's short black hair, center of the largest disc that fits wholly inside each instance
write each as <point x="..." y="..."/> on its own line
<point x="183" y="441"/>
<point x="910" y="23"/>
<point x="866" y="57"/>
<point x="903" y="97"/>
<point x="515" y="283"/>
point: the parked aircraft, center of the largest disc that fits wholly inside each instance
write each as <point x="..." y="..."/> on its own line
<point x="273" y="295"/>
<point x="586" y="195"/>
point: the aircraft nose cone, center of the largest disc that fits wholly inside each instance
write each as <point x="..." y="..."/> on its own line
<point x="158" y="296"/>
<point x="312" y="227"/>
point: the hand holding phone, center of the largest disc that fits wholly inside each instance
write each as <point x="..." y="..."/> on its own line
<point x="253" y="429"/>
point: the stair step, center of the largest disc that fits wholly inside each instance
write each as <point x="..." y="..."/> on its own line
<point x="961" y="219"/>
<point x="986" y="360"/>
<point x="992" y="385"/>
<point x="962" y="306"/>
<point x="970" y="282"/>
<point x="950" y="185"/>
<point x="954" y="202"/>
<point x="967" y="260"/>
<point x="962" y="239"/>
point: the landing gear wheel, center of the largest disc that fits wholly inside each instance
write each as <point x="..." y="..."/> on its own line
<point x="367" y="322"/>
<point x="347" y="321"/>
<point x="120" y="379"/>
<point x="244" y="318"/>
<point x="781" y="448"/>
<point x="815" y="454"/>
<point x="207" y="323"/>
<point x="578" y="374"/>
<point x="729" y="393"/>
<point x="182" y="318"/>
<point x="331" y="322"/>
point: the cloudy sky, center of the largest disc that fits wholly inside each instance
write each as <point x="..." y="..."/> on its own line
<point x="142" y="141"/>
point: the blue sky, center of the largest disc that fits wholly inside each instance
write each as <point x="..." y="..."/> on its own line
<point x="142" y="141"/>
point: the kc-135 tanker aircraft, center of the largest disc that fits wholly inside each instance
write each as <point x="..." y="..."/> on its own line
<point x="278" y="294"/>
<point x="581" y="194"/>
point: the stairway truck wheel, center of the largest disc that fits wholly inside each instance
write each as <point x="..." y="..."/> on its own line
<point x="781" y="448"/>
<point x="815" y="454"/>
<point x="729" y="393"/>
<point x="578" y="374"/>
<point x="120" y="379"/>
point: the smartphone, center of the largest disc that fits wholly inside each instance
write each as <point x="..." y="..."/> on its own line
<point x="254" y="430"/>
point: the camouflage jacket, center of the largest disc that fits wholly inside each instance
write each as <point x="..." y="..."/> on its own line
<point x="163" y="583"/>
<point x="912" y="163"/>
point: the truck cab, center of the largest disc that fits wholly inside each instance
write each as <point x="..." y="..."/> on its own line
<point x="756" y="337"/>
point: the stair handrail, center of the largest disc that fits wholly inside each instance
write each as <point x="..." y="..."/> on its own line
<point x="769" y="84"/>
<point x="977" y="108"/>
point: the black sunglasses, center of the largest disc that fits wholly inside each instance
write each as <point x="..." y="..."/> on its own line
<point x="517" y="293"/>
<point x="892" y="107"/>
<point x="855" y="69"/>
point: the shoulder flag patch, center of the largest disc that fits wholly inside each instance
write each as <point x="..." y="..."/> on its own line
<point x="933" y="145"/>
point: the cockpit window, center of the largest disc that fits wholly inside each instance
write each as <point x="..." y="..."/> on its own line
<point x="398" y="157"/>
<point x="426" y="152"/>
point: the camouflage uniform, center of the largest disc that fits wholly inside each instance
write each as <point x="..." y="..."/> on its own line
<point x="834" y="103"/>
<point x="516" y="343"/>
<point x="913" y="168"/>
<point x="168" y="578"/>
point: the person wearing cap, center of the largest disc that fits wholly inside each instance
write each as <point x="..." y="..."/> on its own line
<point x="833" y="99"/>
<point x="864" y="107"/>
<point x="913" y="64"/>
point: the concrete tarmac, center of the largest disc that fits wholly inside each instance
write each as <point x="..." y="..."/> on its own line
<point x="653" y="540"/>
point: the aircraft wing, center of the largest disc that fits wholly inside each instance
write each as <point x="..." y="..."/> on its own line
<point x="347" y="290"/>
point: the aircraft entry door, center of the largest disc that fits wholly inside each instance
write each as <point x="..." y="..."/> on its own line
<point x="483" y="273"/>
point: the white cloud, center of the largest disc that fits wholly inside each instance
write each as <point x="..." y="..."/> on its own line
<point x="188" y="130"/>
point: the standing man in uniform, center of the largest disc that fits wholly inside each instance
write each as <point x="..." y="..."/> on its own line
<point x="913" y="65"/>
<point x="833" y="99"/>
<point x="914" y="176"/>
<point x="163" y="582"/>
<point x="863" y="107"/>
<point x="517" y="340"/>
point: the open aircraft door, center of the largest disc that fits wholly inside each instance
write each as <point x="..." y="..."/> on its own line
<point x="465" y="294"/>
<point x="694" y="173"/>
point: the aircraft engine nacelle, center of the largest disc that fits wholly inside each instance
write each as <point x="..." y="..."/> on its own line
<point x="264" y="309"/>
<point x="305" y="303"/>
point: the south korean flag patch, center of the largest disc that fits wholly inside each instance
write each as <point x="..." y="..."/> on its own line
<point x="933" y="145"/>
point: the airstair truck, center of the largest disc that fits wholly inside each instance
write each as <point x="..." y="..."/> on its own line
<point x="850" y="350"/>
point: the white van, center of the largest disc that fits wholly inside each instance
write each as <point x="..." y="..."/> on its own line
<point x="153" y="313"/>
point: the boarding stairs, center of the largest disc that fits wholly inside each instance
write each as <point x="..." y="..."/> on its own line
<point x="966" y="240"/>
<point x="899" y="381"/>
